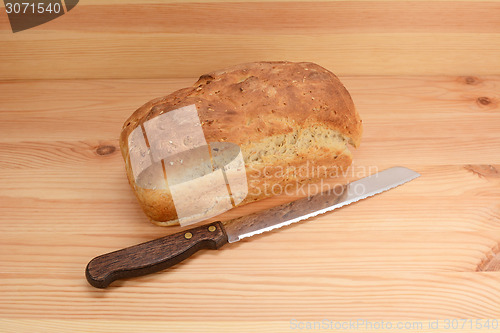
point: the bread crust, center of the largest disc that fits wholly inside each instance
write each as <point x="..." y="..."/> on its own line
<point x="282" y="115"/>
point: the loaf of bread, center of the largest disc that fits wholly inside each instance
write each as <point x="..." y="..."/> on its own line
<point x="292" y="122"/>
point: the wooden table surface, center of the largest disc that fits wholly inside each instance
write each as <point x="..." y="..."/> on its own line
<point x="425" y="77"/>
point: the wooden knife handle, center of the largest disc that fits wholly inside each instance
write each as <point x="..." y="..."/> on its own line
<point x="153" y="256"/>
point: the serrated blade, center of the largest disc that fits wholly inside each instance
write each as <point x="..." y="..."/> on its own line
<point x="304" y="208"/>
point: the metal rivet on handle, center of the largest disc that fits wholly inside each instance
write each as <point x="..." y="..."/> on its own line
<point x="211" y="228"/>
<point x="188" y="235"/>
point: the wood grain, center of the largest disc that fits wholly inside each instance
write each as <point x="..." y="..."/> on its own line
<point x="424" y="77"/>
<point x="162" y="40"/>
<point x="291" y="18"/>
<point x="209" y="296"/>
<point x="275" y="326"/>
<point x="177" y="55"/>
<point x="425" y="251"/>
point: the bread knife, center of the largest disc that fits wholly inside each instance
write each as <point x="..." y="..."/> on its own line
<point x="159" y="254"/>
